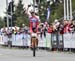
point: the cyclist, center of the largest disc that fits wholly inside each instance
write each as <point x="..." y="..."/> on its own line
<point x="33" y="19"/>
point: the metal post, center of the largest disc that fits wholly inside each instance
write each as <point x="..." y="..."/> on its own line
<point x="34" y="5"/>
<point x="70" y="9"/>
<point x="39" y="1"/>
<point x="11" y="12"/>
<point x="38" y="8"/>
<point x="7" y="13"/>
<point x="64" y="9"/>
<point x="67" y="9"/>
<point x="71" y="18"/>
<point x="57" y="39"/>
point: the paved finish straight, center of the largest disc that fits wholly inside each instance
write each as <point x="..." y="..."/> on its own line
<point x="41" y="55"/>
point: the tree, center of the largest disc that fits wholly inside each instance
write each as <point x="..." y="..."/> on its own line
<point x="42" y="10"/>
<point x="22" y="18"/>
<point x="1" y="23"/>
<point x="55" y="9"/>
<point x="73" y="5"/>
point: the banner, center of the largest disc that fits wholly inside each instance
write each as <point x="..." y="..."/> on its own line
<point x="5" y="39"/>
<point x="48" y="40"/>
<point x="69" y="40"/>
<point x="54" y="40"/>
<point x="1" y="40"/>
<point x="41" y="42"/>
<point x="17" y="40"/>
<point x="25" y="40"/>
<point x="45" y="41"/>
<point x="60" y="42"/>
<point x="73" y="41"/>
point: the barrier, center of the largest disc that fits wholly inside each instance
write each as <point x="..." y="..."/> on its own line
<point x="17" y="40"/>
<point x="69" y="40"/>
<point x="1" y="39"/>
<point x="57" y="40"/>
<point x="4" y="39"/>
<point x="60" y="42"/>
<point x="50" y="41"/>
<point x="45" y="41"/>
<point x="25" y="39"/>
<point x="54" y="41"/>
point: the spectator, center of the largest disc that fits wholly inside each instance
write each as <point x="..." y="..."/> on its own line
<point x="50" y="28"/>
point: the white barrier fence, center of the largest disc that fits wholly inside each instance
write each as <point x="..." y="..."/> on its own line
<point x="57" y="40"/>
<point x="25" y="39"/>
<point x="69" y="40"/>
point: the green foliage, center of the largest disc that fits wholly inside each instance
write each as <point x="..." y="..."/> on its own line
<point x="73" y="5"/>
<point x="42" y="10"/>
<point x="57" y="10"/>
<point x="1" y="23"/>
<point x="22" y="18"/>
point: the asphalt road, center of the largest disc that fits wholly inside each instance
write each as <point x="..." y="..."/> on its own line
<point x="14" y="54"/>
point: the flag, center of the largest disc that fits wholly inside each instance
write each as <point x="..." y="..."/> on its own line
<point x="48" y="13"/>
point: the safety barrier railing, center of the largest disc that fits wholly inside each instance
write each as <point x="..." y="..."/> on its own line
<point x="53" y="40"/>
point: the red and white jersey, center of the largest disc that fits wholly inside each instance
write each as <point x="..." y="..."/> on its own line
<point x="34" y="18"/>
<point x="34" y="21"/>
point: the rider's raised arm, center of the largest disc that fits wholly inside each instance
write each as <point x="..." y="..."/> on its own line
<point x="27" y="11"/>
<point x="38" y="18"/>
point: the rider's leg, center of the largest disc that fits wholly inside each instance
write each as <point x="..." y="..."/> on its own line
<point x="32" y="42"/>
<point x="36" y="42"/>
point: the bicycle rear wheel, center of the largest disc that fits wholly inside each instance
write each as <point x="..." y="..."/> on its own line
<point x="33" y="41"/>
<point x="34" y="51"/>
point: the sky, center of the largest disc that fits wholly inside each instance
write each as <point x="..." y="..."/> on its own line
<point x="3" y="5"/>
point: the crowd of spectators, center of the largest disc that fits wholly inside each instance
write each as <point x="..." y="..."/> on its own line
<point x="57" y="26"/>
